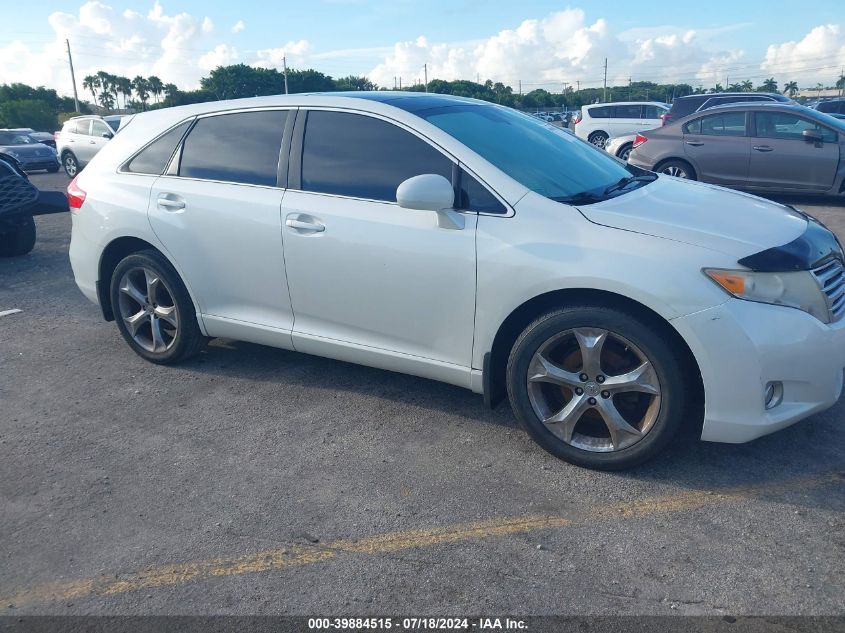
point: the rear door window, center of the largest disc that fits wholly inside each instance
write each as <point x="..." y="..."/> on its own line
<point x="653" y="112"/>
<point x="100" y="129"/>
<point x="627" y="111"/>
<point x="242" y="147"/>
<point x="723" y="124"/>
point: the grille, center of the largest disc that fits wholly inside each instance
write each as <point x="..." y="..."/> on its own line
<point x="831" y="277"/>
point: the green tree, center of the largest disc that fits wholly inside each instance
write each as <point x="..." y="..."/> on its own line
<point x="770" y="85"/>
<point x="28" y="113"/>
<point x="124" y="86"/>
<point x="791" y="89"/>
<point x="142" y="89"/>
<point x="240" y="80"/>
<point x="156" y="86"/>
<point x="107" y="99"/>
<point x="354" y="83"/>
<point x="747" y="86"/>
<point x="91" y="82"/>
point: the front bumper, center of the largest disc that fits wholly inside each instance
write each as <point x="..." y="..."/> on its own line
<point x="40" y="163"/>
<point x="741" y="346"/>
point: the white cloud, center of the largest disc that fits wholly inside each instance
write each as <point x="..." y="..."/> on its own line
<point x="296" y="54"/>
<point x="238" y="26"/>
<point x="819" y="57"/>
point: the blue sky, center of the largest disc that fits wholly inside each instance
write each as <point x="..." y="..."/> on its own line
<point x="180" y="40"/>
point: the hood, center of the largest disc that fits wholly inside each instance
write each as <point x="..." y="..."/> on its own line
<point x="28" y="151"/>
<point x="735" y="223"/>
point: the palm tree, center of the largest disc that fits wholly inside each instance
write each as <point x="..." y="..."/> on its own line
<point x="770" y="85"/>
<point x="91" y="82"/>
<point x="170" y="91"/>
<point x="155" y="85"/>
<point x="791" y="89"/>
<point x="747" y="86"/>
<point x="735" y="87"/>
<point x="142" y="89"/>
<point x="107" y="99"/>
<point x="124" y="86"/>
<point x="105" y="80"/>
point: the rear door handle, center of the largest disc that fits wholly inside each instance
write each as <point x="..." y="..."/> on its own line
<point x="764" y="148"/>
<point x="302" y="222"/>
<point x="695" y="143"/>
<point x="170" y="202"/>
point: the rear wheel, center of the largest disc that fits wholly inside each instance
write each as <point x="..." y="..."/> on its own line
<point x="625" y="151"/>
<point x="153" y="309"/>
<point x="677" y="168"/>
<point x="599" y="139"/>
<point x="17" y="237"/>
<point x="70" y="164"/>
<point x="597" y="387"/>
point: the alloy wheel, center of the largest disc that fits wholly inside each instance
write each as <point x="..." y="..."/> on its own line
<point x="70" y="165"/>
<point x="594" y="389"/>
<point x="674" y="170"/>
<point x="148" y="309"/>
<point x="626" y="153"/>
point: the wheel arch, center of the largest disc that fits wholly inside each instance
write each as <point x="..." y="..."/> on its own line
<point x="679" y="159"/>
<point x="497" y="358"/>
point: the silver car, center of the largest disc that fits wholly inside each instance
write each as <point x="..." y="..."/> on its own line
<point x="79" y="141"/>
<point x="621" y="146"/>
<point x="771" y="147"/>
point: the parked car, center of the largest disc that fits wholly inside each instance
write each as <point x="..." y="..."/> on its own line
<point x="80" y="139"/>
<point x="30" y="154"/>
<point x="833" y="107"/>
<point x="771" y="147"/>
<point x="621" y="146"/>
<point x="684" y="106"/>
<point x="598" y="123"/>
<point x="465" y="242"/>
<point x="19" y="201"/>
<point x="39" y="137"/>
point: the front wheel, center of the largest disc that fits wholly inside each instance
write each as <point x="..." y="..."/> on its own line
<point x="596" y="386"/>
<point x="17" y="237"/>
<point x="153" y="309"/>
<point x="70" y="164"/>
<point x="599" y="139"/>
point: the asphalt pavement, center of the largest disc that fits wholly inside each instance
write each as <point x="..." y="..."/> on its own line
<point x="253" y="480"/>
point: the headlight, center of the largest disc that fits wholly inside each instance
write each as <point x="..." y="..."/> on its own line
<point x="794" y="289"/>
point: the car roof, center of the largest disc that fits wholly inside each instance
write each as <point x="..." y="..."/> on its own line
<point x="711" y="95"/>
<point x="753" y="105"/>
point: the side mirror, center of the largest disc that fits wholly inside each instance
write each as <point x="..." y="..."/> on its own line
<point x="430" y="192"/>
<point x="813" y="136"/>
<point x="107" y="135"/>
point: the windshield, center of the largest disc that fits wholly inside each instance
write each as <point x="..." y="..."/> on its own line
<point x="13" y="138"/>
<point x="542" y="157"/>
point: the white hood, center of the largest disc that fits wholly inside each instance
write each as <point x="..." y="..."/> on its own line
<point x="735" y="223"/>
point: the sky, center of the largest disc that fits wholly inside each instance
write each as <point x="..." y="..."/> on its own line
<point x="538" y="44"/>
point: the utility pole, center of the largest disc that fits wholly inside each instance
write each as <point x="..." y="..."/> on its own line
<point x="578" y="83"/>
<point x="72" y="76"/>
<point x="285" y="66"/>
<point x="604" y="90"/>
<point x="629" y="89"/>
<point x="425" y="70"/>
<point x="520" y="87"/>
<point x="400" y="83"/>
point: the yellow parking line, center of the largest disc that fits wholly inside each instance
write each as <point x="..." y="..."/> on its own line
<point x="300" y="555"/>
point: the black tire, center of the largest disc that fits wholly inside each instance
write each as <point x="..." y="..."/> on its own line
<point x="599" y="139"/>
<point x="70" y="164"/>
<point x="668" y="366"/>
<point x="17" y="237"/>
<point x="678" y="168"/>
<point x="625" y="151"/>
<point x="188" y="340"/>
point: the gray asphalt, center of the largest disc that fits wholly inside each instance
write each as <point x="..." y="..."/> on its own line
<point x="113" y="469"/>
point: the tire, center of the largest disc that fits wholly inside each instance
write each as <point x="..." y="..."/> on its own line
<point x="164" y="329"/>
<point x="599" y="139"/>
<point x="70" y="164"/>
<point x="677" y="168"/>
<point x="629" y="341"/>
<point x="625" y="151"/>
<point x="17" y="237"/>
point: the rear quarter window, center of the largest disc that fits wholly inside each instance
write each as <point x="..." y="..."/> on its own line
<point x="154" y="158"/>
<point x="601" y="112"/>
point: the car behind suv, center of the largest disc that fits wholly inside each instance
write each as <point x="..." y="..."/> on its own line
<point x="684" y="106"/>
<point x="598" y="123"/>
<point x="833" y="107"/>
<point x="79" y="141"/>
<point x="465" y="242"/>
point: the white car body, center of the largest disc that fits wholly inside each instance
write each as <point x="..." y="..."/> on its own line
<point x="610" y="120"/>
<point x="400" y="292"/>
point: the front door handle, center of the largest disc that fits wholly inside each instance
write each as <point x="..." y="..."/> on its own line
<point x="764" y="148"/>
<point x="170" y="202"/>
<point x="695" y="143"/>
<point x="92" y="142"/>
<point x="302" y="222"/>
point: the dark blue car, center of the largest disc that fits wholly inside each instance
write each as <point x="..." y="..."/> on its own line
<point x="29" y="153"/>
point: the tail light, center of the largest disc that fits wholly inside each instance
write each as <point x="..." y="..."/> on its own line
<point x="577" y="118"/>
<point x="639" y="140"/>
<point x="665" y="118"/>
<point x="75" y="196"/>
<point x="56" y="135"/>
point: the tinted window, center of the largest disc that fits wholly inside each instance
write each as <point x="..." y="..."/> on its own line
<point x="113" y="123"/>
<point x="242" y="147"/>
<point x="602" y="112"/>
<point x="363" y="157"/>
<point x="476" y="197"/>
<point x="788" y="126"/>
<point x="627" y="111"/>
<point x="540" y="156"/>
<point x="725" y="124"/>
<point x="653" y="112"/>
<point x="154" y="159"/>
<point x="100" y="128"/>
<point x="80" y="127"/>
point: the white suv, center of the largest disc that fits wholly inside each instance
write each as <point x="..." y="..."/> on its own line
<point x="598" y="123"/>
<point x="81" y="138"/>
<point x="465" y="242"/>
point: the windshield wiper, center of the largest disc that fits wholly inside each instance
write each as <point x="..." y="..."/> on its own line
<point x="583" y="197"/>
<point x="624" y="182"/>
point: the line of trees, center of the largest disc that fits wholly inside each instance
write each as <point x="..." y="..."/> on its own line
<point x="41" y="108"/>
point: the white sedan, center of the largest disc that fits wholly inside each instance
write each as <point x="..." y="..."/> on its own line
<point x="465" y="242"/>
